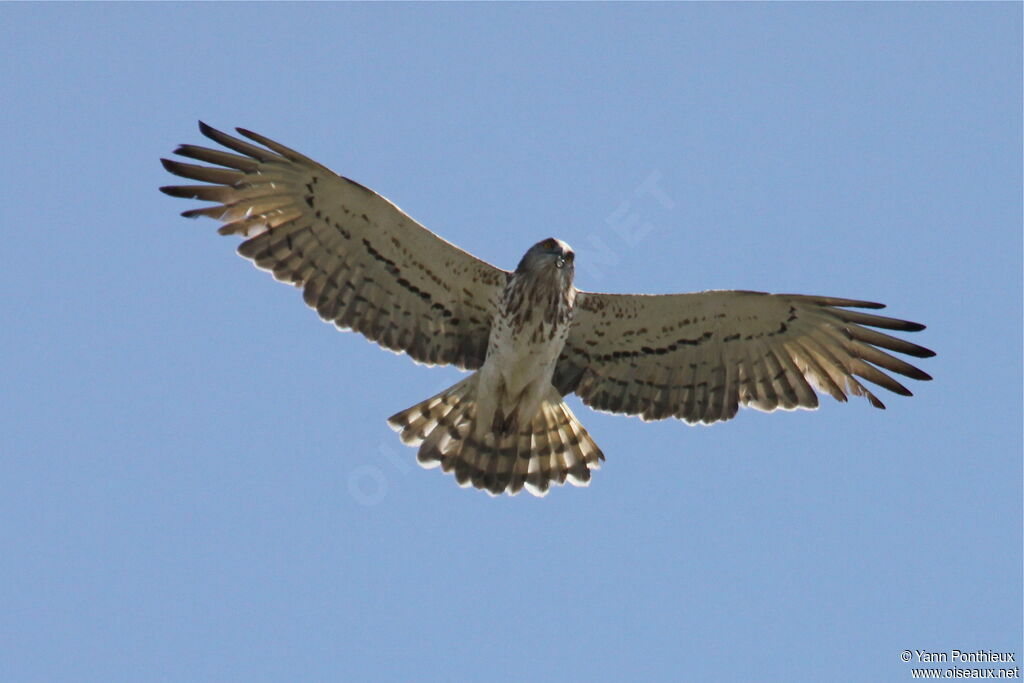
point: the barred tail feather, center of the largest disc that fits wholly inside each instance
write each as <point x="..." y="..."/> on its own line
<point x="552" y="449"/>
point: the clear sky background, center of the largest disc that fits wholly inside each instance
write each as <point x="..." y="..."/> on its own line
<point x="196" y="478"/>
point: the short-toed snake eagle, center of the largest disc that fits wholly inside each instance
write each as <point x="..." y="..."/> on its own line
<point x="530" y="336"/>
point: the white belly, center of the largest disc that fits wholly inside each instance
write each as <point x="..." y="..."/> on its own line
<point x="516" y="376"/>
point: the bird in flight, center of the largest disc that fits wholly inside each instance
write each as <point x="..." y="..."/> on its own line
<point x="529" y="335"/>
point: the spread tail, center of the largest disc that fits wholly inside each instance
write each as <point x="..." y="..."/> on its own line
<point x="553" y="448"/>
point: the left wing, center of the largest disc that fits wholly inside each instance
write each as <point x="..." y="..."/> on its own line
<point x="362" y="263"/>
<point x="699" y="356"/>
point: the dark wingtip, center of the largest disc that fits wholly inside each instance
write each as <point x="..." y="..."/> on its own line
<point x="917" y="373"/>
<point x="179" y="191"/>
<point x="207" y="130"/>
<point x="176" y="167"/>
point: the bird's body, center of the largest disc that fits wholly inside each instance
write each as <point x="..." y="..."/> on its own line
<point x="505" y="426"/>
<point x="529" y="335"/>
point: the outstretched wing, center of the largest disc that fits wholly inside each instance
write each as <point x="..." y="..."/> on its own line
<point x="699" y="356"/>
<point x="362" y="263"/>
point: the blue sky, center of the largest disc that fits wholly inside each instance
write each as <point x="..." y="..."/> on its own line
<point x="196" y="478"/>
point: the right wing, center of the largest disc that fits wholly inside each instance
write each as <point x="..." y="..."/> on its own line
<point x="698" y="357"/>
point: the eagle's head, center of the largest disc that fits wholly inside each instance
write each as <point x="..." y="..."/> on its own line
<point x="548" y="255"/>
